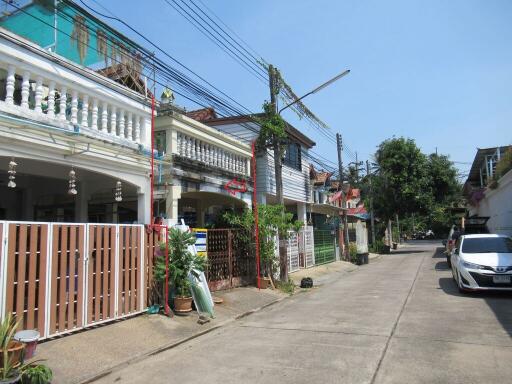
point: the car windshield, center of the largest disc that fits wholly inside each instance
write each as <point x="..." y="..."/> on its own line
<point x="487" y="245"/>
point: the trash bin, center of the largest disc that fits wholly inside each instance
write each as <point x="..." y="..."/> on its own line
<point x="29" y="338"/>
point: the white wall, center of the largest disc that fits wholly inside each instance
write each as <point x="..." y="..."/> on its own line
<point x="497" y="204"/>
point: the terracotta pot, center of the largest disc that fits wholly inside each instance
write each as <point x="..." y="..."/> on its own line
<point x="15" y="352"/>
<point x="183" y="304"/>
<point x="264" y="282"/>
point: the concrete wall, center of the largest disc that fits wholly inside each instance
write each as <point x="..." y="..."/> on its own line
<point x="497" y="204"/>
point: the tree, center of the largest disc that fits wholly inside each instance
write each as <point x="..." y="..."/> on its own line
<point x="401" y="182"/>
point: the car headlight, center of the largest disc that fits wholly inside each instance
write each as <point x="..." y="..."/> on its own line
<point x="472" y="266"/>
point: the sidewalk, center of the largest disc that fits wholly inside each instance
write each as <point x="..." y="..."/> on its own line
<point x="92" y="353"/>
<point x="322" y="274"/>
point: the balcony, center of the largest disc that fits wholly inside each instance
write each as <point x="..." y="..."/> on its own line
<point x="42" y="87"/>
<point x="199" y="144"/>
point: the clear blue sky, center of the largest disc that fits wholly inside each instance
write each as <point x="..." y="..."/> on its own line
<point x="437" y="71"/>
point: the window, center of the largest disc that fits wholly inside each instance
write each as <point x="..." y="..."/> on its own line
<point x="292" y="156"/>
<point x="487" y="245"/>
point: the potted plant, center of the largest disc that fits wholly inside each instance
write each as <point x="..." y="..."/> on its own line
<point x="11" y="351"/>
<point x="36" y="374"/>
<point x="181" y="262"/>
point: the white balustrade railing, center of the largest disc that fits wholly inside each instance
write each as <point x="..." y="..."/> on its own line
<point x="34" y="86"/>
<point x="211" y="155"/>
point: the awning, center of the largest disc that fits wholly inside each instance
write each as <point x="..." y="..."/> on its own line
<point x="326" y="209"/>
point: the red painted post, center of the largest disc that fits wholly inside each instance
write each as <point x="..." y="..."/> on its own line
<point x="255" y="210"/>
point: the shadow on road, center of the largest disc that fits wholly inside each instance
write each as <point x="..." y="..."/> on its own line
<point x="499" y="301"/>
<point x="439" y="253"/>
<point x="442" y="266"/>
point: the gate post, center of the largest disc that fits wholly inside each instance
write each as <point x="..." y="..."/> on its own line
<point x="230" y="257"/>
<point x="3" y="266"/>
<point x="142" y="252"/>
<point x="48" y="293"/>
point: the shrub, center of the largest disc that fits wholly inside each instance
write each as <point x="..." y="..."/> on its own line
<point x="377" y="247"/>
<point x="352" y="252"/>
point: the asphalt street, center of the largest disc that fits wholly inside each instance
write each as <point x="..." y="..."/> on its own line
<point x="399" y="319"/>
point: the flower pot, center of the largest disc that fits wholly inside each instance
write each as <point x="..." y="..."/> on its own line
<point x="16" y="378"/>
<point x="264" y="282"/>
<point x="15" y="352"/>
<point x="182" y="304"/>
<point x="29" y="338"/>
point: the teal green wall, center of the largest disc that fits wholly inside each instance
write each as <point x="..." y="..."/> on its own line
<point x="39" y="32"/>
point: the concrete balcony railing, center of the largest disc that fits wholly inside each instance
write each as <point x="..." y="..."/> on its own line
<point x="190" y="139"/>
<point x="38" y="85"/>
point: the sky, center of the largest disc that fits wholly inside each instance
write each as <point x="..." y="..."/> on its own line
<point x="437" y="71"/>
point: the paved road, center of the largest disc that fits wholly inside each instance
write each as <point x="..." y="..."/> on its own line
<point x="397" y="320"/>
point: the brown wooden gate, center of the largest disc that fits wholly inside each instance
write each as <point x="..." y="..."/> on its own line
<point x="230" y="259"/>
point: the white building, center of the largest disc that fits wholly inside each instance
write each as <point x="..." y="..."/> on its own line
<point x="57" y="116"/>
<point x="295" y="171"/>
<point x="490" y="195"/>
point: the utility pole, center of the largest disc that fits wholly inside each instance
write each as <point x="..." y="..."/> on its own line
<point x="339" y="145"/>
<point x="357" y="169"/>
<point x="372" y="220"/>
<point x="278" y="172"/>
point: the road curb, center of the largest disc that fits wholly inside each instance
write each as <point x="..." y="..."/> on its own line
<point x="175" y="344"/>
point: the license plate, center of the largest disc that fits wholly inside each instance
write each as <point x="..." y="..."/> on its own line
<point x="501" y="279"/>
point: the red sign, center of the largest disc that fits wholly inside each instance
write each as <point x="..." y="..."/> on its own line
<point x="234" y="186"/>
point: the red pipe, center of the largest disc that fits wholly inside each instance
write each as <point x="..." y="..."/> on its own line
<point x="166" y="308"/>
<point x="152" y="176"/>
<point x="255" y="210"/>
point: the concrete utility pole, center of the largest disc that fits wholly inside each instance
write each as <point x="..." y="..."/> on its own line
<point x="339" y="145"/>
<point x="357" y="169"/>
<point x="372" y="220"/>
<point x="278" y="172"/>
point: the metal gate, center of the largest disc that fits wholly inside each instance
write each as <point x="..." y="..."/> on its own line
<point x="324" y="246"/>
<point x="62" y="277"/>
<point x="231" y="260"/>
<point x="292" y="251"/>
<point x="306" y="247"/>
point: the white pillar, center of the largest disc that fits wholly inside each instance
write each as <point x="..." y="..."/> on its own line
<point x="129" y="126"/>
<point x="113" y="121"/>
<point x="51" y="99"/>
<point x="302" y="213"/>
<point x="39" y="94"/>
<point x="171" y="202"/>
<point x="104" y="117"/>
<point x="121" y="123"/>
<point x="143" y="205"/>
<point x="84" y="118"/>
<point x="62" y="103"/>
<point x="10" y="81"/>
<point x="74" y="107"/>
<point x="94" y="114"/>
<point x="25" y="89"/>
<point x="146" y="132"/>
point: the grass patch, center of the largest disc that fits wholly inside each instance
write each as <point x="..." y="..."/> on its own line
<point x="286" y="286"/>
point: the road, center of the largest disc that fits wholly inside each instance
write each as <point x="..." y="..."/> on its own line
<point x="397" y="320"/>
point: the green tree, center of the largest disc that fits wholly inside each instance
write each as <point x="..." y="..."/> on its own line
<point x="401" y="184"/>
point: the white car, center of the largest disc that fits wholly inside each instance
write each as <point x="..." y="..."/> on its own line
<point x="483" y="262"/>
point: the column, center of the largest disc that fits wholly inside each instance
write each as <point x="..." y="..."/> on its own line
<point x="51" y="99"/>
<point x="143" y="205"/>
<point x="129" y="126"/>
<point x="104" y="117"/>
<point x="39" y="94"/>
<point x="74" y="107"/>
<point x="82" y="203"/>
<point x="25" y="89"/>
<point x="113" y="121"/>
<point x="302" y="213"/>
<point x="171" y="202"/>
<point x="121" y="123"/>
<point x="84" y="118"/>
<point x="10" y="83"/>
<point x="62" y="103"/>
<point x="137" y="129"/>
<point x="94" y="114"/>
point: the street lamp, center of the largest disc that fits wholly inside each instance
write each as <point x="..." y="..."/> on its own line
<point x="319" y="88"/>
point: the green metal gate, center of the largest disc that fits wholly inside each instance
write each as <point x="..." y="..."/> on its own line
<point x="324" y="246"/>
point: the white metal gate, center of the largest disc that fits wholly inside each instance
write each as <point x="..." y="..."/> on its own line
<point x="66" y="276"/>
<point x="306" y="247"/>
<point x="292" y="251"/>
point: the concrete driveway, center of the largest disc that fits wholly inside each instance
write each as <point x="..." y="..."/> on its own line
<point x="397" y="320"/>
